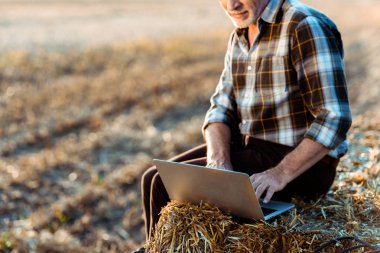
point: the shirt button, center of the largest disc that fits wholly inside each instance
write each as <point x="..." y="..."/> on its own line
<point x="249" y="67"/>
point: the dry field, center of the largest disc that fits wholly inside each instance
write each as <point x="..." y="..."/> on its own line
<point x="81" y="121"/>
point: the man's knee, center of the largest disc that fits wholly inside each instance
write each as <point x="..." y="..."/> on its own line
<point x="148" y="175"/>
<point x="146" y="181"/>
<point x="157" y="185"/>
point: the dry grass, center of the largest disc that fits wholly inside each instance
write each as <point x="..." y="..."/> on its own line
<point x="77" y="130"/>
<point x="190" y="228"/>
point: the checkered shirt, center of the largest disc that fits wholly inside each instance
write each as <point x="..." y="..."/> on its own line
<point x="290" y="84"/>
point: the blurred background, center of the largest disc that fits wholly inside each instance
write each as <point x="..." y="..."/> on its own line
<point x="91" y="91"/>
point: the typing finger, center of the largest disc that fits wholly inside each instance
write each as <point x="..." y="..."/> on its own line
<point x="255" y="180"/>
<point x="268" y="195"/>
<point x="260" y="190"/>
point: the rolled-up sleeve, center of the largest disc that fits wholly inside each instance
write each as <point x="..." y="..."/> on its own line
<point x="317" y="55"/>
<point x="223" y="103"/>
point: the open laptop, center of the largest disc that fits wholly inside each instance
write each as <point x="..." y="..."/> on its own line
<point x="230" y="191"/>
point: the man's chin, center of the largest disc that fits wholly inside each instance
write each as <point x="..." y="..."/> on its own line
<point x="238" y="24"/>
<point x="242" y="24"/>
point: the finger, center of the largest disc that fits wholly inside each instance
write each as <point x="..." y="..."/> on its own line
<point x="269" y="195"/>
<point x="255" y="180"/>
<point x="252" y="179"/>
<point x="256" y="183"/>
<point x="211" y="165"/>
<point x="260" y="190"/>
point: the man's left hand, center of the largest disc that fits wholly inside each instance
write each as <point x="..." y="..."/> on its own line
<point x="271" y="181"/>
<point x="305" y="155"/>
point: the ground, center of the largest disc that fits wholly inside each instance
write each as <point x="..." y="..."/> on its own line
<point x="90" y="92"/>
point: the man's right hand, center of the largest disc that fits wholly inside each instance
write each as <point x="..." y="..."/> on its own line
<point x="218" y="138"/>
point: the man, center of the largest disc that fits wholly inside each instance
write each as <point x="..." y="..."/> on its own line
<point x="280" y="111"/>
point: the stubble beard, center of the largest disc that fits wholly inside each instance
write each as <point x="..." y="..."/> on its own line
<point x="243" y="23"/>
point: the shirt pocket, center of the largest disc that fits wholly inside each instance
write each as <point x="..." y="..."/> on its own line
<point x="272" y="76"/>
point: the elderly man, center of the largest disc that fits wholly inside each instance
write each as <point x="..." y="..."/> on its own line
<point x="280" y="111"/>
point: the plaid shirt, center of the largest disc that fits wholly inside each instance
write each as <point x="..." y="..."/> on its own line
<point x="290" y="84"/>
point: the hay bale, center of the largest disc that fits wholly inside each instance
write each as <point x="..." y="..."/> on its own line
<point x="185" y="227"/>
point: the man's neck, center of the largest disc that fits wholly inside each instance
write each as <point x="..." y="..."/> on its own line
<point x="253" y="30"/>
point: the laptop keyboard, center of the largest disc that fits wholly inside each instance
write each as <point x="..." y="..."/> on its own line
<point x="267" y="211"/>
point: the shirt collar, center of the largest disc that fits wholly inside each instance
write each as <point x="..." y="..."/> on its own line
<point x="271" y="10"/>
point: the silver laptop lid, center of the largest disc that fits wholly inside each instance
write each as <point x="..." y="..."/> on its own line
<point x="230" y="191"/>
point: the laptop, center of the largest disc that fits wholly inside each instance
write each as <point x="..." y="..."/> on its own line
<point x="230" y="191"/>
